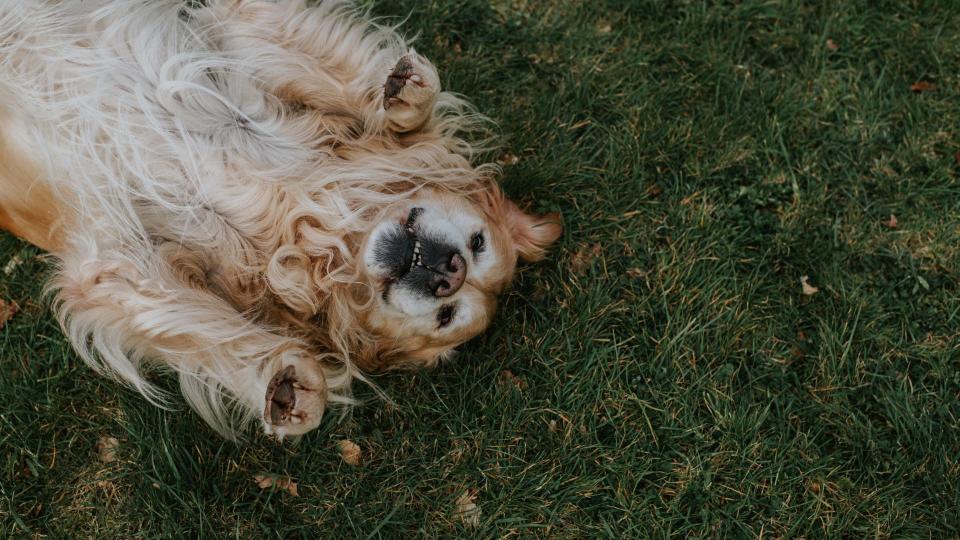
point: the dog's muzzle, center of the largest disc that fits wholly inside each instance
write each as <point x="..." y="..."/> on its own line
<point x="420" y="261"/>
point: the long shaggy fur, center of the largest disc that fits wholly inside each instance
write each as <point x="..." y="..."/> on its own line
<point x="237" y="148"/>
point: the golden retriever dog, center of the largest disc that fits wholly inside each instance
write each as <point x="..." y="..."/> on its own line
<point x="265" y="197"/>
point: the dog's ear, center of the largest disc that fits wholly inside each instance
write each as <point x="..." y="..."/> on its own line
<point x="532" y="234"/>
<point x="379" y="358"/>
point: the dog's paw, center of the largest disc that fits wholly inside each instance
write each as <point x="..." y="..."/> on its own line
<point x="410" y="92"/>
<point x="295" y="399"/>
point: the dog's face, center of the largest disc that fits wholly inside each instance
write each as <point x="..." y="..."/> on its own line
<point x="438" y="263"/>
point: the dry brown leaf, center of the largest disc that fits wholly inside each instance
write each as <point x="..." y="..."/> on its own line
<point x="832" y="45"/>
<point x="107" y="449"/>
<point x="507" y="376"/>
<point x="808" y="289"/>
<point x="272" y="481"/>
<point x="654" y="190"/>
<point x="12" y="265"/>
<point x="583" y="258"/>
<point x="635" y="273"/>
<point x="107" y="486"/>
<point x="922" y="86"/>
<point x="7" y="311"/>
<point x="508" y="159"/>
<point x="892" y="222"/>
<point x="603" y="27"/>
<point x="350" y="452"/>
<point x="467" y="509"/>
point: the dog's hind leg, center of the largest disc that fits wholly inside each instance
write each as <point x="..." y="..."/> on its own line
<point x="410" y="92"/>
<point x="120" y="316"/>
<point x="327" y="58"/>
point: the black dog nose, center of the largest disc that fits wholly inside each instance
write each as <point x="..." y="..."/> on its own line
<point x="452" y="276"/>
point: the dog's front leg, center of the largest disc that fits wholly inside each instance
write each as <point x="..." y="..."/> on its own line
<point x="119" y="315"/>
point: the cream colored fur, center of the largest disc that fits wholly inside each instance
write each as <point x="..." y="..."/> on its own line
<point x="214" y="172"/>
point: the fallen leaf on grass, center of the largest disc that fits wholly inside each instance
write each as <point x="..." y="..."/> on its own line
<point x="583" y="258"/>
<point x="508" y="159"/>
<point x="891" y="223"/>
<point x="507" y="376"/>
<point x="635" y="273"/>
<point x="107" y="449"/>
<point x="270" y="481"/>
<point x="808" y="289"/>
<point x="7" y="311"/>
<point x="832" y="45"/>
<point x="603" y="27"/>
<point x="350" y="452"/>
<point x="548" y="57"/>
<point x="467" y="509"/>
<point x="922" y="86"/>
<point x="12" y="265"/>
<point x="108" y="487"/>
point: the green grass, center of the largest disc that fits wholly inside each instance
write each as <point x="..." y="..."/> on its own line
<point x="677" y="382"/>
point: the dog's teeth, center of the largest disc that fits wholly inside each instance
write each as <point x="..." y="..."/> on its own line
<point x="415" y="260"/>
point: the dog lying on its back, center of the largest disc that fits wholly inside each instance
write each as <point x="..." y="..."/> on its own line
<point x="260" y="196"/>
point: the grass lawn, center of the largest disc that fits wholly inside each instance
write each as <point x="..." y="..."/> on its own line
<point x="664" y="372"/>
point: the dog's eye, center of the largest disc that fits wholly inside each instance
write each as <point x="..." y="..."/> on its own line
<point x="477" y="242"/>
<point x="445" y="315"/>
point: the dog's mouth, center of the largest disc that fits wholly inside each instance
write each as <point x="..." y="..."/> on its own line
<point x="412" y="219"/>
<point x="400" y="251"/>
<point x="412" y="257"/>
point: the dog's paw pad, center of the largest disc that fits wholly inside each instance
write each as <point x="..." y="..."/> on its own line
<point x="294" y="404"/>
<point x="400" y="75"/>
<point x="281" y="397"/>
